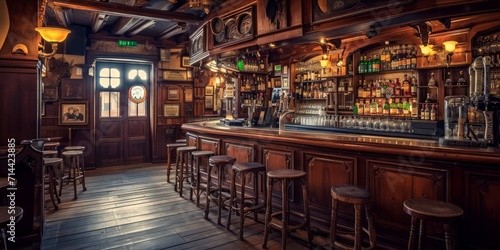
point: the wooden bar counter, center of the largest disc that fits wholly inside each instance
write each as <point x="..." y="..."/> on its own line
<point x="392" y="169"/>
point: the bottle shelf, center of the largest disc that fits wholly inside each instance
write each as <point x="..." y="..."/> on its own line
<point x="383" y="97"/>
<point x="312" y="99"/>
<point x="389" y="71"/>
<point x="455" y="86"/>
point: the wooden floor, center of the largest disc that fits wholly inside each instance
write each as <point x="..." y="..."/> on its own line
<point x="133" y="207"/>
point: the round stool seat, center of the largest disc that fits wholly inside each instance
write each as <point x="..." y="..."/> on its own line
<point x="49" y="153"/>
<point x="51" y="144"/>
<point x="176" y="145"/>
<point x="5" y="215"/>
<point x="181" y="141"/>
<point x="286" y="174"/>
<point x="72" y="153"/>
<point x="186" y="148"/>
<point x="202" y="153"/>
<point x="248" y="166"/>
<point x="74" y="148"/>
<point x="221" y="159"/>
<point x="350" y="194"/>
<point x="425" y="208"/>
<point x="51" y="161"/>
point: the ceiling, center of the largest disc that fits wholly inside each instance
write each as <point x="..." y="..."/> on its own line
<point x="163" y="20"/>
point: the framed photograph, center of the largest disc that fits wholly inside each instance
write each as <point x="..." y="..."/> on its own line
<point x="185" y="62"/>
<point x="188" y="95"/>
<point x="173" y="94"/>
<point x="285" y="70"/>
<point x="209" y="90"/>
<point x="72" y="89"/>
<point x="171" y="110"/>
<point x="276" y="83"/>
<point x="209" y="102"/>
<point x="73" y="113"/>
<point x="285" y="83"/>
<point x="50" y="94"/>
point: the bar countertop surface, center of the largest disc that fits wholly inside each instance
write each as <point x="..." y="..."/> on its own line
<point x="355" y="142"/>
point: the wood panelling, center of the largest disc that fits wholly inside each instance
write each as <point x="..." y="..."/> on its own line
<point x="209" y="143"/>
<point x="483" y="218"/>
<point x="137" y="151"/>
<point x="392" y="183"/>
<point x="110" y="128"/>
<point x="243" y="152"/>
<point x="110" y="152"/>
<point x="192" y="140"/>
<point x="136" y="128"/>
<point x="278" y="158"/>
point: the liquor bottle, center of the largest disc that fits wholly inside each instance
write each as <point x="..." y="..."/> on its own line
<point x="364" y="65"/>
<point x="413" y="87"/>
<point x="349" y="87"/>
<point x="370" y="64"/>
<point x="433" y="113"/>
<point x="414" y="58"/>
<point x="355" y="108"/>
<point x="427" y="112"/>
<point x="397" y="88"/>
<point x="360" y="88"/>
<point x="401" y="60"/>
<point x="399" y="105"/>
<point x="406" y="86"/>
<point x="432" y="80"/>
<point x="373" y="107"/>
<point x="422" y="112"/>
<point x="406" y="107"/>
<point x="378" y="89"/>
<point x="380" y="106"/>
<point x="367" y="107"/>
<point x="414" y="108"/>
<point x="408" y="57"/>
<point x="361" y="108"/>
<point x="461" y="79"/>
<point x="386" y="57"/>
<point x="428" y="99"/>
<point x="394" y="59"/>
<point x="386" y="111"/>
<point x="448" y="80"/>
<point x="393" y="108"/>
<point x="389" y="92"/>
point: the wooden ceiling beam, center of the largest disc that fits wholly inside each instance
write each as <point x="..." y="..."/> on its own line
<point x="172" y="31"/>
<point x="127" y="11"/>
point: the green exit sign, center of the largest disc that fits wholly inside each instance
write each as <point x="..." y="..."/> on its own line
<point x="124" y="43"/>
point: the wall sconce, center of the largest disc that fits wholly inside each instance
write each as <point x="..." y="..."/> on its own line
<point x="449" y="46"/>
<point x="54" y="36"/>
<point x="426" y="51"/>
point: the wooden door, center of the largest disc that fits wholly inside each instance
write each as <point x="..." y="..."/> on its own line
<point x="122" y="113"/>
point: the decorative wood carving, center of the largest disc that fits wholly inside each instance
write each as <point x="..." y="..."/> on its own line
<point x="237" y="28"/>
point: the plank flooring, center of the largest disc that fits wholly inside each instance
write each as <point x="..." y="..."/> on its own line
<point x="133" y="207"/>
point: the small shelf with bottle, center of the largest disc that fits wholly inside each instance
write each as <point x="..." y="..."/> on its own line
<point x="390" y="58"/>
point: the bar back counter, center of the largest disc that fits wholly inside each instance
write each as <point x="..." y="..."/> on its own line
<point x="391" y="169"/>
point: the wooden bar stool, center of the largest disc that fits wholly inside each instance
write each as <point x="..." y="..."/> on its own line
<point x="74" y="162"/>
<point x="360" y="198"/>
<point x="244" y="204"/>
<point x="182" y="166"/>
<point x="196" y="185"/>
<point x="286" y="177"/>
<point x="215" y="193"/>
<point x="49" y="153"/>
<point x="74" y="148"/>
<point x="52" y="166"/>
<point x="170" y="148"/>
<point x="181" y="141"/>
<point x="51" y="145"/>
<point x="427" y="209"/>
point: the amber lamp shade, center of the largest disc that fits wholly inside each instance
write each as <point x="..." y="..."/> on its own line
<point x="323" y="63"/>
<point x="53" y="35"/>
<point x="426" y="50"/>
<point x="449" y="46"/>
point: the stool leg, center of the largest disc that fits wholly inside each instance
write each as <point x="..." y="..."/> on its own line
<point x="51" y="186"/>
<point x="358" y="212"/>
<point x="413" y="229"/>
<point x="284" y="215"/>
<point x="198" y="182"/>
<point x="181" y="172"/>
<point x="4" y="238"/>
<point x="192" y="177"/>
<point x="73" y="168"/>
<point x="256" y="193"/>
<point x="209" y="183"/>
<point x="267" y="220"/>
<point x="421" y="239"/>
<point x="169" y="161"/>
<point x="242" y="203"/>
<point x="371" y="226"/>
<point x="219" y="196"/>
<point x="447" y="236"/>
<point x="177" y="161"/>
<point x="231" y="199"/>
<point x="333" y="223"/>
<point x="306" y="212"/>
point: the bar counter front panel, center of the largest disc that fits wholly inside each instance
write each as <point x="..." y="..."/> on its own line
<point x="392" y="169"/>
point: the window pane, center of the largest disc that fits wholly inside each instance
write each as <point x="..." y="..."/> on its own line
<point x="104" y="82"/>
<point x="143" y="75"/>
<point x="115" y="73"/>
<point x="132" y="74"/>
<point x="114" y="110"/>
<point x="141" y="109"/>
<point x="132" y="108"/>
<point x="115" y="82"/>
<point x="104" y="72"/>
<point x="104" y="97"/>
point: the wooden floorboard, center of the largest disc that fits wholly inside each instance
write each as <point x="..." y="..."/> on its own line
<point x="133" y="207"/>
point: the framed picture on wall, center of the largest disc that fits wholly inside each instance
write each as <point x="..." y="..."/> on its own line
<point x="209" y="102"/>
<point x="173" y="94"/>
<point x="73" y="113"/>
<point x="285" y="83"/>
<point x="171" y="110"/>
<point x="72" y="89"/>
<point x="50" y="94"/>
<point x="209" y="90"/>
<point x="185" y="62"/>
